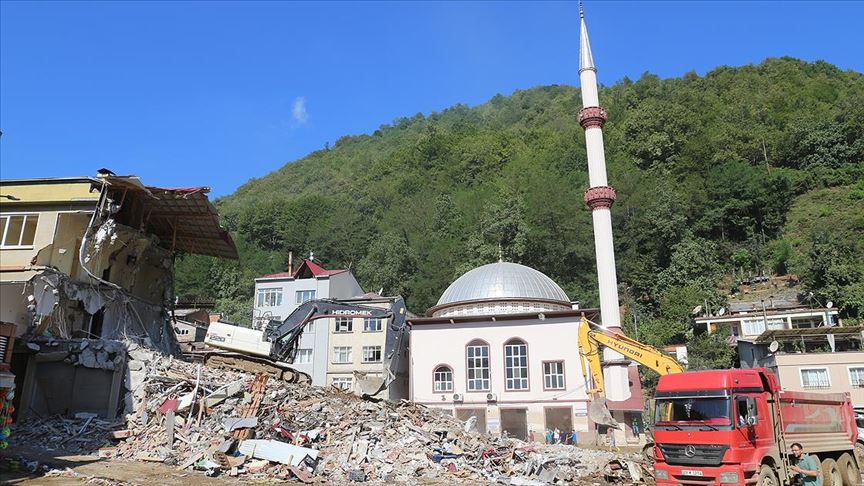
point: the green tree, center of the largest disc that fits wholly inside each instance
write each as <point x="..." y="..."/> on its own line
<point x="389" y="264"/>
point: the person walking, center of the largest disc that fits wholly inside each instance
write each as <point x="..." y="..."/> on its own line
<point x="806" y="466"/>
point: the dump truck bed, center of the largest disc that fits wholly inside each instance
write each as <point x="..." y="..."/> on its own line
<point x="820" y="421"/>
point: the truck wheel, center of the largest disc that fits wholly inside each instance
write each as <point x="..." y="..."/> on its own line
<point x="849" y="470"/>
<point x="767" y="477"/>
<point x="831" y="473"/>
<point x="859" y="450"/>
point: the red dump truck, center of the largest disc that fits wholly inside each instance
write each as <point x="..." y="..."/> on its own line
<point x="737" y="427"/>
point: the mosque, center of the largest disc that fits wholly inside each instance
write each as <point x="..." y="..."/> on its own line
<point x="501" y="344"/>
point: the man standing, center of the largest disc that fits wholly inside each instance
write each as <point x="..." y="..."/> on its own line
<point x="806" y="466"/>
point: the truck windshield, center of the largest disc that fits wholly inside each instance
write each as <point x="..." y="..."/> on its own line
<point x="705" y="410"/>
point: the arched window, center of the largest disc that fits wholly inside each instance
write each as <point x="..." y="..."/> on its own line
<point x="516" y="364"/>
<point x="443" y="379"/>
<point x="477" y="353"/>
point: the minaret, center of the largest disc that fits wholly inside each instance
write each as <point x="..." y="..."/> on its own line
<point x="599" y="197"/>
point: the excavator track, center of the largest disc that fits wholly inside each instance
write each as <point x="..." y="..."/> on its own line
<point x="252" y="364"/>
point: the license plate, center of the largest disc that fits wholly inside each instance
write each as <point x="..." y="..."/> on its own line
<point x="691" y="472"/>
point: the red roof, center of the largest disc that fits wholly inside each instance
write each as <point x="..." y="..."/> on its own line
<point x="307" y="267"/>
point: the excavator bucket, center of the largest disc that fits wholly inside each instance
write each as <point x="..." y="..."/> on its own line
<point x="599" y="413"/>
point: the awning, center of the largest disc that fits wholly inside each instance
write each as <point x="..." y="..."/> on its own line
<point x="779" y="334"/>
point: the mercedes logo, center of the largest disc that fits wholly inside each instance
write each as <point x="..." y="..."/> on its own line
<point x="690" y="450"/>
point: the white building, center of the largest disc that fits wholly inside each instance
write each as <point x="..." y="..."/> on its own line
<point x="278" y="295"/>
<point x="502" y="345"/>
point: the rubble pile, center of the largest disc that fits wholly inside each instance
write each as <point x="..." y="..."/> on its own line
<point x="230" y="423"/>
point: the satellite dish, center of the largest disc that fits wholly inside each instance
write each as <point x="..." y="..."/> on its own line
<point x="721" y="311"/>
<point x="774" y="346"/>
<point x="696" y="310"/>
<point x="829" y="304"/>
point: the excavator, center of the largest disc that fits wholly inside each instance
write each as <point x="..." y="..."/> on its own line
<point x="273" y="350"/>
<point x="591" y="338"/>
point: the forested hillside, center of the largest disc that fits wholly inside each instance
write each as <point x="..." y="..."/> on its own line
<point x="744" y="169"/>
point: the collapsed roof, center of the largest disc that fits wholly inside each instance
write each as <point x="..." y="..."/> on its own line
<point x="182" y="217"/>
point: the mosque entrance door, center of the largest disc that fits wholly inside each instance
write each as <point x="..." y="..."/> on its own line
<point x="560" y="418"/>
<point x="514" y="421"/>
<point x="465" y="414"/>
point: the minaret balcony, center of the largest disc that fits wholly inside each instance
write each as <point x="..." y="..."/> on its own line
<point x="592" y="116"/>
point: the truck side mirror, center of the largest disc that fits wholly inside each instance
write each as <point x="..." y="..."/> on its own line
<point x="752" y="421"/>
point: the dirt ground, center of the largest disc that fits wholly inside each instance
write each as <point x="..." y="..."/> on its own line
<point x="90" y="469"/>
<point x="93" y="470"/>
<point x="87" y="469"/>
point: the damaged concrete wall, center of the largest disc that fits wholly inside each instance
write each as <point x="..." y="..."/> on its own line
<point x="71" y="376"/>
<point x="65" y="309"/>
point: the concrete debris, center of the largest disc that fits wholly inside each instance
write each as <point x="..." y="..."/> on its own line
<point x="295" y="432"/>
<point x="231" y="424"/>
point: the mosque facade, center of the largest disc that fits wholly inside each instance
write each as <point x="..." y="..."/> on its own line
<point x="501" y="345"/>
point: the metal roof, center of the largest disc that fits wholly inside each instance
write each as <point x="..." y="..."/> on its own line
<point x="183" y="218"/>
<point x="503" y="280"/>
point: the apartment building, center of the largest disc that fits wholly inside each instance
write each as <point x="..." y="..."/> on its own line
<point x="278" y="295"/>
<point x="752" y="319"/>
<point x="364" y="352"/>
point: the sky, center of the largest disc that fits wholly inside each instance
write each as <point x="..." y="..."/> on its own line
<point x="217" y="93"/>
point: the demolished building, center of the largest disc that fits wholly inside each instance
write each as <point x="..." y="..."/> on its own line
<point x="86" y="265"/>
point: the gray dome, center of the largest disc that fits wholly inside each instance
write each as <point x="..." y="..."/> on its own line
<point x="502" y="280"/>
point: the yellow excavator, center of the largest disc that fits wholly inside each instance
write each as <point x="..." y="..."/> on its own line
<point x="591" y="338"/>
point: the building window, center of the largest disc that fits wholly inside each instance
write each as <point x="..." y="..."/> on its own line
<point x="755" y="327"/>
<point x="371" y="354"/>
<point x="269" y="297"/>
<point x="443" y="379"/>
<point x="304" y="356"/>
<point x="18" y="230"/>
<point x="371" y="324"/>
<point x="856" y="377"/>
<point x="304" y="295"/>
<point x="342" y="354"/>
<point x="815" y="378"/>
<point x="344" y="324"/>
<point x="342" y="383"/>
<point x="516" y="365"/>
<point x="478" y="366"/>
<point x="553" y="375"/>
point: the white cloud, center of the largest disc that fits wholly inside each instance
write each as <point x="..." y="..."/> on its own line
<point x="298" y="111"/>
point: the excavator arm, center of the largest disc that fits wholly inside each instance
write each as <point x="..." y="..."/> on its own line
<point x="591" y="338"/>
<point x="285" y="335"/>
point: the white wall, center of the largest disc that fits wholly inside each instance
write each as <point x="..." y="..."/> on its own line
<point x="548" y="340"/>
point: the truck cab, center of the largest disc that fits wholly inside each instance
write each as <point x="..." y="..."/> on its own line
<point x="708" y="427"/>
<point x="736" y="426"/>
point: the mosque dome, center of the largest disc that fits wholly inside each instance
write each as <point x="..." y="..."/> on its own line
<point x="500" y="288"/>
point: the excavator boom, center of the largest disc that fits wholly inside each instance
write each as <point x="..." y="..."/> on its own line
<point x="591" y="338"/>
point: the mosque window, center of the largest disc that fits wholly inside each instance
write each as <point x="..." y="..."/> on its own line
<point x="478" y="365"/>
<point x="443" y="379"/>
<point x="553" y="375"/>
<point x="516" y="364"/>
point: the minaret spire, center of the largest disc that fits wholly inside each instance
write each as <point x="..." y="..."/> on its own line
<point x="599" y="197"/>
<point x="586" y="59"/>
